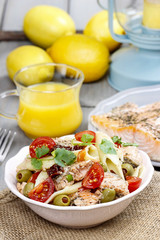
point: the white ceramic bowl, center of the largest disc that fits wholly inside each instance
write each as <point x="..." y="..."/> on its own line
<point x="73" y="216"/>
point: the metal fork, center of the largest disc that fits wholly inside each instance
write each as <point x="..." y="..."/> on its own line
<point x="6" y="139"/>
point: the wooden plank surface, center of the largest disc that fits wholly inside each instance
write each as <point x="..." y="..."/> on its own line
<point x="80" y="10"/>
<point x="2" y="11"/>
<point x="12" y="36"/>
<point x="16" y="10"/>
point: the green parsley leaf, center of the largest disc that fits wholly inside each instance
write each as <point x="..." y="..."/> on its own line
<point x="129" y="144"/>
<point x="36" y="163"/>
<point x="42" y="151"/>
<point x="118" y="140"/>
<point x="63" y="157"/>
<point x="80" y="143"/>
<point x="87" y="138"/>
<point x="107" y="147"/>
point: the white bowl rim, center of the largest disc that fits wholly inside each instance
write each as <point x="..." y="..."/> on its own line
<point x="77" y="208"/>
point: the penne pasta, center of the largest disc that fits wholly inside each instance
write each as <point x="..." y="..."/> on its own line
<point x="67" y="190"/>
<point x="138" y="172"/>
<point x="91" y="153"/>
<point x="110" y="161"/>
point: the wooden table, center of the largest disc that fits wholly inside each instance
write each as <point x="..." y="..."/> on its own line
<point x="91" y="94"/>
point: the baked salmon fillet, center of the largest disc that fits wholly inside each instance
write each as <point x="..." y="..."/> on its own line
<point x="133" y="124"/>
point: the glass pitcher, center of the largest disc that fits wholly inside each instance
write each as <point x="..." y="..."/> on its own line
<point x="48" y="99"/>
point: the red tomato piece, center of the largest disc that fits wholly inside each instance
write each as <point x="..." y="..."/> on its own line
<point x="42" y="191"/>
<point x="94" y="177"/>
<point x="38" y="143"/>
<point x="133" y="183"/>
<point x="81" y="155"/>
<point x="79" y="135"/>
<point x="33" y="177"/>
<point x="118" y="145"/>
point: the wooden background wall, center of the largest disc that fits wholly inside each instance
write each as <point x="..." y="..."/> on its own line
<point x="12" y="11"/>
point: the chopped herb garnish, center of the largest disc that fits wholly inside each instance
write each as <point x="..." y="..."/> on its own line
<point x="129" y="144"/>
<point x="76" y="143"/>
<point x="63" y="157"/>
<point x="107" y="147"/>
<point x="69" y="177"/>
<point x="36" y="163"/>
<point x="41" y="151"/>
<point x="87" y="138"/>
<point x="118" y="140"/>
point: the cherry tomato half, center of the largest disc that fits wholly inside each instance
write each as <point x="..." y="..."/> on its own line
<point x="33" y="177"/>
<point x="94" y="177"/>
<point x="42" y="191"/>
<point x="133" y="183"/>
<point x="79" y="135"/>
<point x="38" y="143"/>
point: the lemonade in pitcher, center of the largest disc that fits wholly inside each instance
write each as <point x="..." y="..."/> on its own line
<point x="48" y="99"/>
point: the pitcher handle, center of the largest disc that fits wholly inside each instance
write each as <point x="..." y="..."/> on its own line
<point x="117" y="37"/>
<point x="8" y="94"/>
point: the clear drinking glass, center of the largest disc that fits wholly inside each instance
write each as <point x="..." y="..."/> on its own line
<point x="48" y="99"/>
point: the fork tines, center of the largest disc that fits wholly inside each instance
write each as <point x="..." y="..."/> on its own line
<point x="6" y="139"/>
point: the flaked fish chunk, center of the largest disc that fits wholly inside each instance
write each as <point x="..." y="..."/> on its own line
<point x="77" y="170"/>
<point x="113" y="181"/>
<point x="20" y="186"/>
<point x="66" y="143"/>
<point x="85" y="197"/>
<point x="132" y="155"/>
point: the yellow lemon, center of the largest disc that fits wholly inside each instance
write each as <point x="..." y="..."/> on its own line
<point x="24" y="56"/>
<point x="44" y="24"/>
<point x="98" y="27"/>
<point x="83" y="52"/>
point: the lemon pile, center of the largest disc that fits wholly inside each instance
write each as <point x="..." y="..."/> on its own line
<point x="44" y="24"/>
<point x="52" y="30"/>
<point x="24" y="56"/>
<point x="83" y="52"/>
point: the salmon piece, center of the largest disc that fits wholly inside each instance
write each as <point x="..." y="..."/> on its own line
<point x="85" y="198"/>
<point x="77" y="170"/>
<point x="131" y="155"/>
<point x="20" y="186"/>
<point x="133" y="124"/>
<point x="115" y="182"/>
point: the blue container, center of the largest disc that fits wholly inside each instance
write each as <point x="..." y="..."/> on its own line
<point x="139" y="63"/>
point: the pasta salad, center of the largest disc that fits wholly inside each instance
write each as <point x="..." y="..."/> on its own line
<point x="79" y="170"/>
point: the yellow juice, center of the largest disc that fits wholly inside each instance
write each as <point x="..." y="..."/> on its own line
<point x="151" y="14"/>
<point x="49" y="113"/>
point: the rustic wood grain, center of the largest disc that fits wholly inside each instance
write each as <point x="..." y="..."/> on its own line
<point x="16" y="10"/>
<point x="2" y="11"/>
<point x="92" y="93"/>
<point x="12" y="36"/>
<point x="17" y="35"/>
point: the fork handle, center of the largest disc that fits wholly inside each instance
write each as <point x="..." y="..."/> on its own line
<point x="8" y="94"/>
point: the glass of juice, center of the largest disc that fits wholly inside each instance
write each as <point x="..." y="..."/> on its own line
<point x="48" y="99"/>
